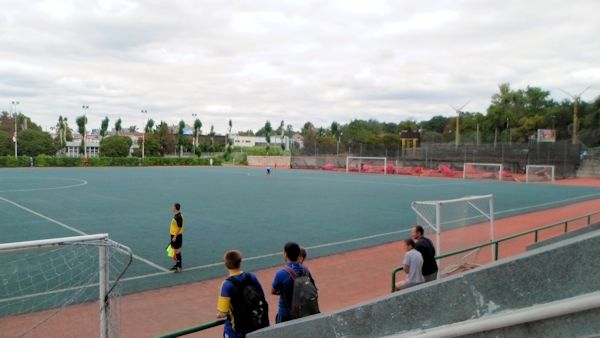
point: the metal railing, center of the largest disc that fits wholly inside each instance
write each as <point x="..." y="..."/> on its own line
<point x="496" y="243"/>
<point x="193" y="329"/>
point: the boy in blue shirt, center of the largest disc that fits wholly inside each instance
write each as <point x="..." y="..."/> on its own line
<point x="283" y="283"/>
<point x="225" y="307"/>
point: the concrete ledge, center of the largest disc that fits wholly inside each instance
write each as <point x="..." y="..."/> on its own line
<point x="272" y="161"/>
<point x="570" y="234"/>
<point x="556" y="271"/>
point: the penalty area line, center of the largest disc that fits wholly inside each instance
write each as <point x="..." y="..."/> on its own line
<point x="68" y="227"/>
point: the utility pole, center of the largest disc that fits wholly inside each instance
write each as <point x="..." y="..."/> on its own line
<point x="15" y="136"/>
<point x="195" y="139"/>
<point x="145" y="113"/>
<point x="576" y="99"/>
<point x="458" y="112"/>
<point x="84" y="108"/>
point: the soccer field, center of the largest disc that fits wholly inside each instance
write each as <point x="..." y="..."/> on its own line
<point x="236" y="208"/>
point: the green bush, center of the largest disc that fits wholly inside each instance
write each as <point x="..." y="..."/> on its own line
<point x="61" y="161"/>
<point x="175" y="161"/>
<point x="11" y="162"/>
<point x="57" y="161"/>
<point x="115" y="146"/>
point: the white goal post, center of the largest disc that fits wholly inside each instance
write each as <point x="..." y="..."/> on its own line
<point x="50" y="274"/>
<point x="473" y="170"/>
<point x="362" y="160"/>
<point x="447" y="217"/>
<point x="539" y="173"/>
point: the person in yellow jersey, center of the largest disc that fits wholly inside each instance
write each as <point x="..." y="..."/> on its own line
<point x="176" y="232"/>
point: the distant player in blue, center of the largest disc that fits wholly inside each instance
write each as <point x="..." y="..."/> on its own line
<point x="268" y="171"/>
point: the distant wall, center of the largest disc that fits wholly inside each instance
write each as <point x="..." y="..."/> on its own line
<point x="272" y="161"/>
<point x="553" y="272"/>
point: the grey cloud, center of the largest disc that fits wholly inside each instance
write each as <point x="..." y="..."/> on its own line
<point x="317" y="61"/>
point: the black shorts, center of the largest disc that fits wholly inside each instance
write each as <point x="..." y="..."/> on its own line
<point x="178" y="241"/>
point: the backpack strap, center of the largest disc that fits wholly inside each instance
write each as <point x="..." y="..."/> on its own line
<point x="291" y="272"/>
<point x="237" y="282"/>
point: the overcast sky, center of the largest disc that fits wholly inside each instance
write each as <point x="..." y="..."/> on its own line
<point x="298" y="61"/>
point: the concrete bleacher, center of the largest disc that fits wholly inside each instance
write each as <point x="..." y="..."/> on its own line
<point x="556" y="272"/>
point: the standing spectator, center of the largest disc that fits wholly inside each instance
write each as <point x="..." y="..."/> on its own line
<point x="302" y="255"/>
<point x="176" y="235"/>
<point x="413" y="264"/>
<point x="427" y="250"/>
<point x="283" y="283"/>
<point x="242" y="300"/>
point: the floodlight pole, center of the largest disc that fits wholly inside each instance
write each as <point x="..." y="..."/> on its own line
<point x="338" y="147"/>
<point x="458" y="112"/>
<point x="576" y="99"/>
<point x="15" y="104"/>
<point x="145" y="112"/>
<point x="84" y="108"/>
<point x="195" y="139"/>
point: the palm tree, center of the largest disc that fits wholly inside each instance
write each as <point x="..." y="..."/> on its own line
<point x="197" y="127"/>
<point x="61" y="127"/>
<point x="268" y="130"/>
<point x="180" y="135"/>
<point x="81" y="122"/>
<point x="118" y="126"/>
<point x="104" y="127"/>
<point x="149" y="126"/>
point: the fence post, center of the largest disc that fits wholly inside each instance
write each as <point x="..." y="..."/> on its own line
<point x="566" y="226"/>
<point x="496" y="245"/>
<point x="535" y="237"/>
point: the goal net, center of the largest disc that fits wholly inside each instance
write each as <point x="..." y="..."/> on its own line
<point x="458" y="224"/>
<point x="482" y="171"/>
<point x="376" y="165"/>
<point x="539" y="173"/>
<point x="66" y="287"/>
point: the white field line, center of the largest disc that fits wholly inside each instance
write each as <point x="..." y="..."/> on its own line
<point x="82" y="183"/>
<point x="263" y="256"/>
<point x="142" y="259"/>
<point x="200" y="267"/>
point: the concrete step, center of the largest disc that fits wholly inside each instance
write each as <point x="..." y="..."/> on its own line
<point x="589" y="168"/>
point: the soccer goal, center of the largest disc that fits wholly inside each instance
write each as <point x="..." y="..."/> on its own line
<point x="458" y="224"/>
<point x="482" y="171"/>
<point x="63" y="286"/>
<point x="539" y="173"/>
<point x="366" y="164"/>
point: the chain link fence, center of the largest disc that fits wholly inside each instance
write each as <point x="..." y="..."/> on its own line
<point x="564" y="155"/>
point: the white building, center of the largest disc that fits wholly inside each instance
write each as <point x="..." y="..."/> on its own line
<point x="253" y="141"/>
<point x="92" y="148"/>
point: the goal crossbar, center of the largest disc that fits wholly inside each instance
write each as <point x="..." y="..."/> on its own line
<point x="436" y="221"/>
<point x="473" y="164"/>
<point x="360" y="158"/>
<point x="103" y="242"/>
<point x="530" y="167"/>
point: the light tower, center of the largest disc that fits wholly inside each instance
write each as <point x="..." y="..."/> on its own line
<point x="458" y="112"/>
<point x="576" y="99"/>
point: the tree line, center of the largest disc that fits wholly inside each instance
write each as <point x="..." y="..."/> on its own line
<point x="514" y="115"/>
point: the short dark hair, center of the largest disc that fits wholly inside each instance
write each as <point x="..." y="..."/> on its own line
<point x="233" y="259"/>
<point x="410" y="242"/>
<point x="292" y="250"/>
<point x="419" y="229"/>
<point x="177" y="206"/>
<point x="302" y="252"/>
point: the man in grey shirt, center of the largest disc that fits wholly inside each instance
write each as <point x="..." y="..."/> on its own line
<point x="413" y="265"/>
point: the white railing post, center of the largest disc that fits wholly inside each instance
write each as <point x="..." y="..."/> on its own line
<point x="103" y="282"/>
